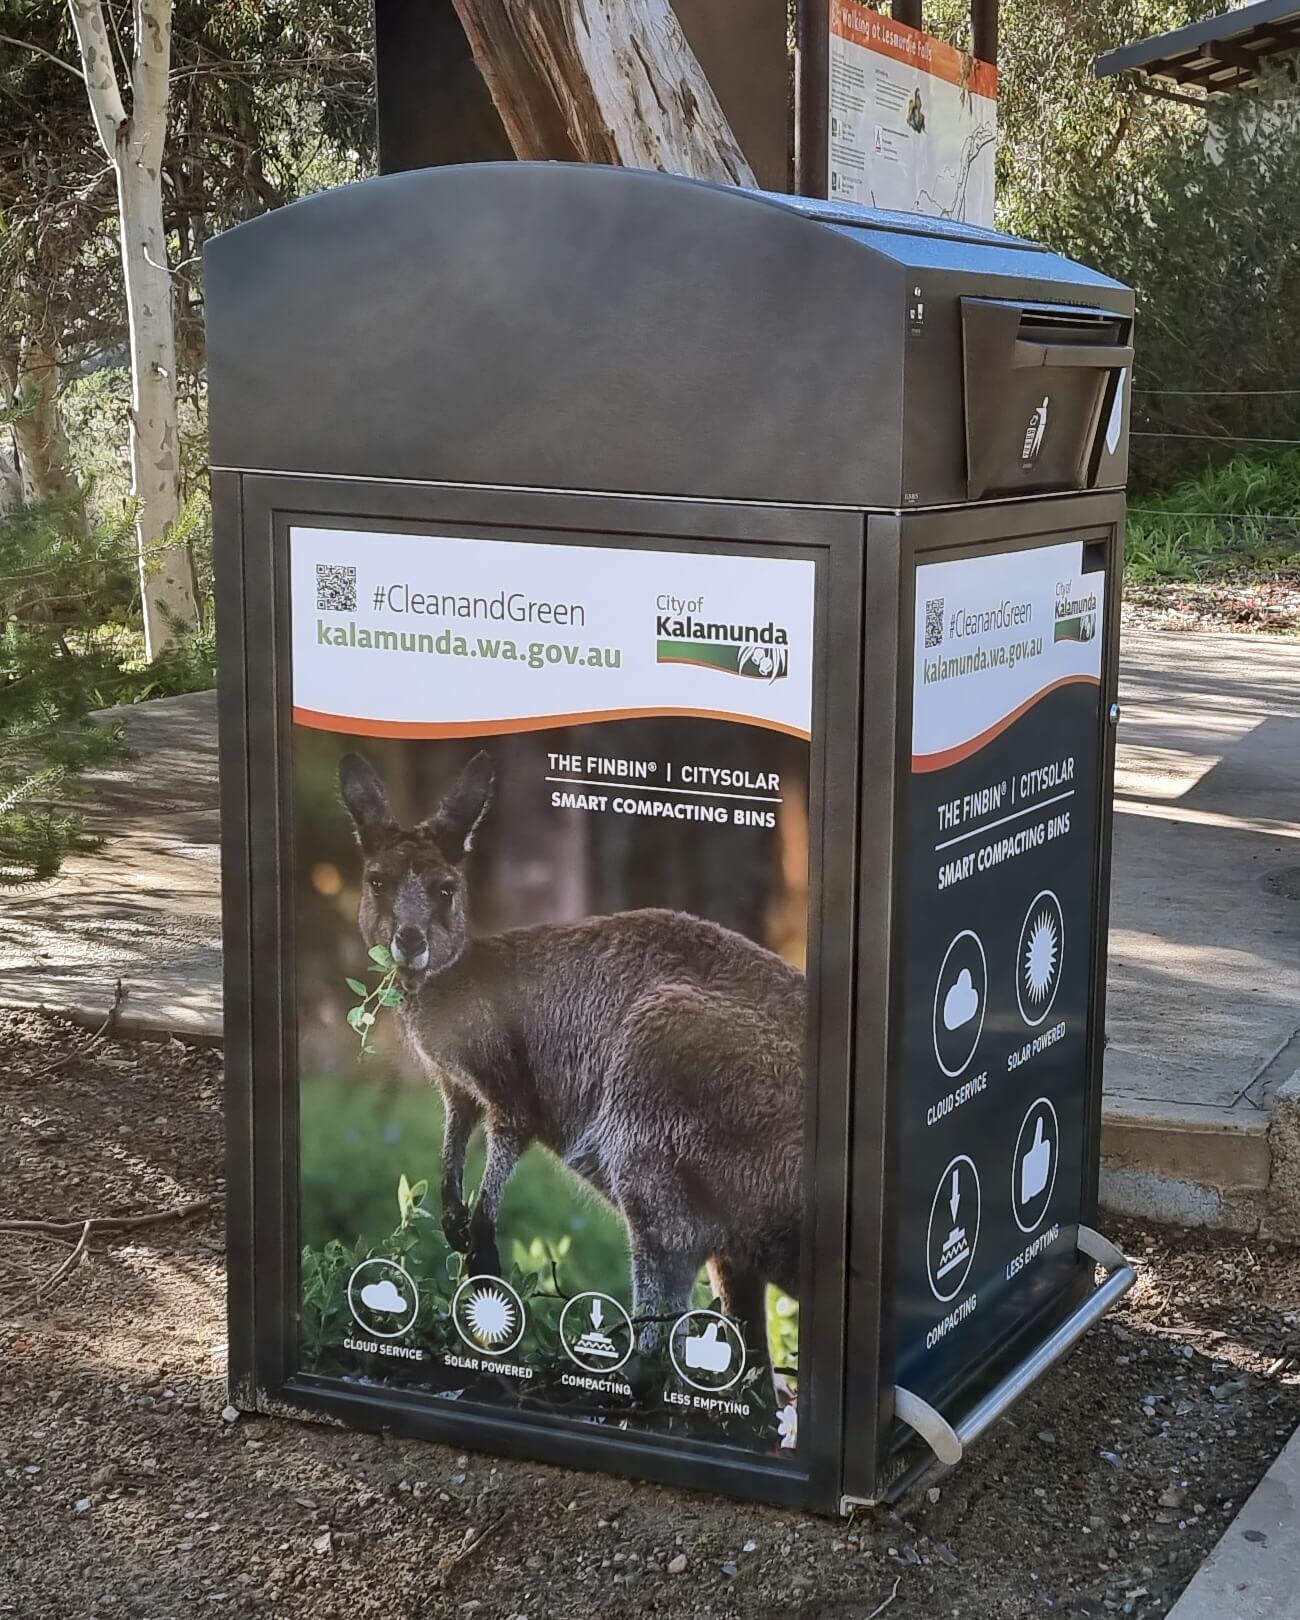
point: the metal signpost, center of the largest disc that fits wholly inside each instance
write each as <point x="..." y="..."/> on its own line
<point x="667" y="671"/>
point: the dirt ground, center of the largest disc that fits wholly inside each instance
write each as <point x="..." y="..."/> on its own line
<point x="1265" y="606"/>
<point x="124" y="1492"/>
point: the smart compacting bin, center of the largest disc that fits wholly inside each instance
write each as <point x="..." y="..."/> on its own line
<point x="667" y="689"/>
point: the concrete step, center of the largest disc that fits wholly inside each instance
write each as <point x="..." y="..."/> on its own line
<point x="1188" y="1164"/>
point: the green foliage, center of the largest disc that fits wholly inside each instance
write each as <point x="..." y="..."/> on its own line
<point x="1208" y="233"/>
<point x="1196" y="209"/>
<point x="267" y="103"/>
<point x="1236" y="520"/>
<point x="1065" y="134"/>
<point x="373" y="999"/>
<point x="95" y="411"/>
<point x="50" y="675"/>
<point x="359" y="1137"/>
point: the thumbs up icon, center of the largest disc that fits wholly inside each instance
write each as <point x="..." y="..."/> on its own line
<point x="1036" y="1166"/>
<point x="707" y="1352"/>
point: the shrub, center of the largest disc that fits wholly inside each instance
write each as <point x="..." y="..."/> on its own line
<point x="1238" y="519"/>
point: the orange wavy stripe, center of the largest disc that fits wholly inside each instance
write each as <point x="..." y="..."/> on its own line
<point x="953" y="756"/>
<point x="351" y="727"/>
<point x="853" y="20"/>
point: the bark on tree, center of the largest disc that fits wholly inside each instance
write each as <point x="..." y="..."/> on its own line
<point x="11" y="478"/>
<point x="602" y="81"/>
<point x="134" y="143"/>
<point x="11" y="488"/>
<point x="29" y="372"/>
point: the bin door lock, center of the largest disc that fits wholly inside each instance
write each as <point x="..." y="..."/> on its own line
<point x="1112" y="714"/>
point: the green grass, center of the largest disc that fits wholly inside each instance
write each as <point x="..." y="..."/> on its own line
<point x="358" y="1138"/>
<point x="1237" y="521"/>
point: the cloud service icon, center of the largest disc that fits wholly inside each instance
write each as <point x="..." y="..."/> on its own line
<point x="960" y="996"/>
<point x="383" y="1297"/>
<point x="962" y="1001"/>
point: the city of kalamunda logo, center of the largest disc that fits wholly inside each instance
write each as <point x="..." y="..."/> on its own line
<point x="1076" y="616"/>
<point x="760" y="652"/>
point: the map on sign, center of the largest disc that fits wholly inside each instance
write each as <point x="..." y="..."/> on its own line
<point x="913" y="121"/>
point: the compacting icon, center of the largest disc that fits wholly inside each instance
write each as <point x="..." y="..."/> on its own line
<point x="596" y="1332"/>
<point x="488" y="1314"/>
<point x="707" y="1350"/>
<point x="954" y="1228"/>
<point x="382" y="1298"/>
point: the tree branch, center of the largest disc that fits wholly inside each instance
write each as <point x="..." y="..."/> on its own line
<point x="97" y="69"/>
<point x="112" y="1223"/>
<point x="72" y="1260"/>
<point x="39" y="50"/>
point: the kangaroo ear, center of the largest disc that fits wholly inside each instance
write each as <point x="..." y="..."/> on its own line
<point x="455" y="821"/>
<point x="367" y="800"/>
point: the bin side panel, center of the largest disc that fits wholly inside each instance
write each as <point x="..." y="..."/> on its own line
<point x="998" y="1067"/>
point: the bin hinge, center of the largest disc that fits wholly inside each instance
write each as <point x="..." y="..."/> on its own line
<point x="931" y="1425"/>
<point x="1100" y="1249"/>
<point x="948" y="1443"/>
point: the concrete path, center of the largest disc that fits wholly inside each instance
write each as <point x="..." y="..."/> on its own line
<point x="1204" y="1016"/>
<point x="1254" y="1572"/>
<point x="147" y="907"/>
<point x="1204" y="995"/>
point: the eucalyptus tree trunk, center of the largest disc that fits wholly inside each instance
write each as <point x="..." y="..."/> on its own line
<point x="11" y="477"/>
<point x="11" y="483"/>
<point x="134" y="143"/>
<point x="10" y="473"/>
<point x="36" y="451"/>
<point x="602" y="81"/>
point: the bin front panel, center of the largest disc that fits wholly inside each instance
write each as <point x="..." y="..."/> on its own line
<point x="551" y="852"/>
<point x="998" y="905"/>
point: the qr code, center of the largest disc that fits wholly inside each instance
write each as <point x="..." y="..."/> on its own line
<point x="934" y="623"/>
<point x="336" y="588"/>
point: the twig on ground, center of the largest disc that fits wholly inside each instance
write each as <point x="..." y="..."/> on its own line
<point x="105" y="1031"/>
<point x="95" y="1225"/>
<point x="473" y="1547"/>
<point x="65" y="1266"/>
<point x="881" y="1607"/>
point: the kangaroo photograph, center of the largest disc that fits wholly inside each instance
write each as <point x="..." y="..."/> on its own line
<point x="578" y="1133"/>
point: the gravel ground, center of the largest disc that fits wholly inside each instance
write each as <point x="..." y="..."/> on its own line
<point x="1254" y="605"/>
<point x="124" y="1492"/>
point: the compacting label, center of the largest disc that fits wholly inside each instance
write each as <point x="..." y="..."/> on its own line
<point x="551" y="856"/>
<point x="1002" y="829"/>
